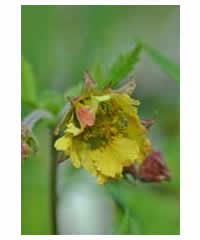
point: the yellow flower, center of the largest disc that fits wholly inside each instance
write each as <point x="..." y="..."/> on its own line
<point x="103" y="133"/>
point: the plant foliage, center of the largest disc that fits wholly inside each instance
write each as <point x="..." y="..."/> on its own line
<point x="28" y="88"/>
<point x="166" y="64"/>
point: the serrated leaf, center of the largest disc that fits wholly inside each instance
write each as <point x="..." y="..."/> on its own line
<point x="123" y="65"/>
<point x="74" y="91"/>
<point x="97" y="74"/>
<point x="166" y="64"/>
<point x="28" y="89"/>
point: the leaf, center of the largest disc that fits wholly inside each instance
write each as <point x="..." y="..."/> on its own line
<point x="97" y="74"/>
<point x="124" y="227"/>
<point x="52" y="101"/>
<point x="74" y="91"/>
<point x="28" y="90"/>
<point x="128" y="223"/>
<point x="123" y="65"/>
<point x="166" y="64"/>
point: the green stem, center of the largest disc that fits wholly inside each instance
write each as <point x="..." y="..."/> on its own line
<point x="53" y="185"/>
<point x="35" y="116"/>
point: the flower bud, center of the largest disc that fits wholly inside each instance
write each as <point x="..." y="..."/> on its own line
<point x="28" y="142"/>
<point x="24" y="150"/>
<point x="153" y="169"/>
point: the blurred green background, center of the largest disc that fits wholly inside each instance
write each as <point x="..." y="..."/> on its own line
<point x="61" y="42"/>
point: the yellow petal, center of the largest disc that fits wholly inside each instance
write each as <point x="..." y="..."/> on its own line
<point x="63" y="144"/>
<point x="127" y="149"/>
<point x="72" y="129"/>
<point x="108" y="163"/>
<point x="102" y="98"/>
<point x="127" y="104"/>
<point x="102" y="179"/>
<point x="110" y="160"/>
<point x="87" y="162"/>
<point x="75" y="159"/>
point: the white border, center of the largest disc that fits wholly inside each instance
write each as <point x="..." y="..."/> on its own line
<point x="190" y="131"/>
<point x="102" y="237"/>
<point x="91" y="2"/>
<point x="10" y="120"/>
<point x="10" y="49"/>
<point x="100" y="2"/>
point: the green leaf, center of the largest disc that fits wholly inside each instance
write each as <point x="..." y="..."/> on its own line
<point x="166" y="64"/>
<point x="74" y="91"/>
<point x="52" y="101"/>
<point x="127" y="223"/>
<point x="123" y="65"/>
<point x="97" y="74"/>
<point x="124" y="227"/>
<point x="28" y="89"/>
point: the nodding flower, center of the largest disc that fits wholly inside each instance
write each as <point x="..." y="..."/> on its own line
<point x="103" y="133"/>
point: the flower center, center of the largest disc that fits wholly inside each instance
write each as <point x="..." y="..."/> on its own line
<point x="110" y="122"/>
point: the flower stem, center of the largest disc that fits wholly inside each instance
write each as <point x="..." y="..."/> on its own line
<point x="35" y="116"/>
<point x="53" y="185"/>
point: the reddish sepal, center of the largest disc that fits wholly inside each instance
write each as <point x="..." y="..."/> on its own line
<point x="154" y="169"/>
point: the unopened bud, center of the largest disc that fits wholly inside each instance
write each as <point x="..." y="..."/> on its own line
<point x="24" y="150"/>
<point x="28" y="142"/>
<point x="154" y="168"/>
